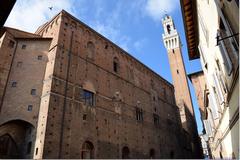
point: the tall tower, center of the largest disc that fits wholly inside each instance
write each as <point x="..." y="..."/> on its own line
<point x="182" y="94"/>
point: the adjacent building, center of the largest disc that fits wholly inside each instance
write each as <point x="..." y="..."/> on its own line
<point x="212" y="32"/>
<point x="68" y="92"/>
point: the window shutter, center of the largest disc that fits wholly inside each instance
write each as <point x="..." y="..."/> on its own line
<point x="202" y="55"/>
<point x="226" y="60"/>
<point x="213" y="106"/>
<point x="223" y="85"/>
<point x="218" y="89"/>
<point x="208" y="127"/>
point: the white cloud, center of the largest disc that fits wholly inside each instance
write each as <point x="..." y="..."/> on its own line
<point x="29" y="15"/>
<point x="157" y="8"/>
<point x="138" y="45"/>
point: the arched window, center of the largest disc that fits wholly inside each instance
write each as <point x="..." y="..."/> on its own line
<point x="168" y="29"/>
<point x="152" y="153"/>
<point x="87" y="150"/>
<point x="90" y="50"/>
<point x="125" y="153"/>
<point x="116" y="65"/>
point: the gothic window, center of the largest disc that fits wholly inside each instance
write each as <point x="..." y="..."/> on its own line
<point x="139" y="114"/>
<point x="125" y="153"/>
<point x="115" y="65"/>
<point x="90" y="50"/>
<point x="152" y="153"/>
<point x="87" y="150"/>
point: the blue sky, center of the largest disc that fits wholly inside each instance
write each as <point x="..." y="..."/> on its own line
<point x="134" y="25"/>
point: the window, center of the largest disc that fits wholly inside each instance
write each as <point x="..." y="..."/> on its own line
<point x="116" y="65"/>
<point x="84" y="117"/>
<point x="33" y="92"/>
<point x="177" y="71"/>
<point x="19" y="64"/>
<point x="29" y="146"/>
<point x="168" y="29"/>
<point x="23" y="46"/>
<point x="88" y="98"/>
<point x="14" y="84"/>
<point x="29" y="107"/>
<point x="39" y="57"/>
<point x="156" y="119"/>
<point x="139" y="114"/>
<point x="36" y="151"/>
<point x="90" y="50"/>
<point x="11" y="44"/>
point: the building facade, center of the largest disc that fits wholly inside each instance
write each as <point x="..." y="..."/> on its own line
<point x="68" y="92"/>
<point x="182" y="93"/>
<point x="212" y="31"/>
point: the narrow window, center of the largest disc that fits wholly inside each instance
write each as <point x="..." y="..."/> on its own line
<point x="19" y="64"/>
<point x="39" y="57"/>
<point x="90" y="50"/>
<point x="33" y="92"/>
<point x="29" y="107"/>
<point x="84" y="117"/>
<point x="116" y="65"/>
<point x="11" y="44"/>
<point x="23" y="46"/>
<point x="156" y="119"/>
<point x="168" y="29"/>
<point x="36" y="151"/>
<point x="139" y="114"/>
<point x="14" y="84"/>
<point x="177" y="71"/>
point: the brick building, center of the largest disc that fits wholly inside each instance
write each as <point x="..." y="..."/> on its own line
<point x="68" y="92"/>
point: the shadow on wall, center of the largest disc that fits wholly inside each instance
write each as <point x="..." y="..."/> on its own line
<point x="191" y="142"/>
<point x="15" y="139"/>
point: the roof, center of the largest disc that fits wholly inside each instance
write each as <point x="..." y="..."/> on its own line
<point x="18" y="33"/>
<point x="190" y="20"/>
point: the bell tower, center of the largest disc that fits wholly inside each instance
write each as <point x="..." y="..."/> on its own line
<point x="182" y="93"/>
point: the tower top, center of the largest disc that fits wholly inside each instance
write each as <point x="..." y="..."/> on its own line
<point x="170" y="36"/>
